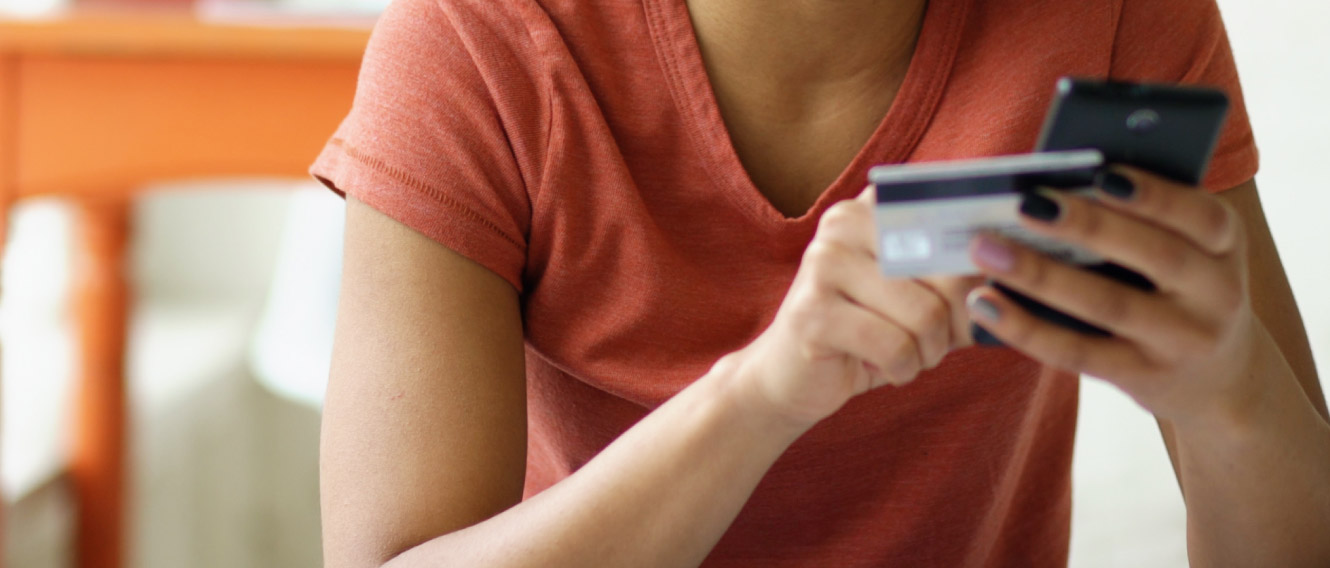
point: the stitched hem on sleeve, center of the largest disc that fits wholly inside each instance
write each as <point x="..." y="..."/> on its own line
<point x="371" y="180"/>
<point x="434" y="193"/>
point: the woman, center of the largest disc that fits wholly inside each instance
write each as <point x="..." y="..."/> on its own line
<point x="610" y="295"/>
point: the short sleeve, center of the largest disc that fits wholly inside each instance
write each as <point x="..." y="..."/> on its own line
<point x="443" y="97"/>
<point x="1184" y="41"/>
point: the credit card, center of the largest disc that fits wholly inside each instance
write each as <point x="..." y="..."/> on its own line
<point x="927" y="213"/>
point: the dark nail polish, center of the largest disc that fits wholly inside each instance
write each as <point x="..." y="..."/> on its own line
<point x="983" y="337"/>
<point x="984" y="308"/>
<point x="1039" y="207"/>
<point x="1118" y="186"/>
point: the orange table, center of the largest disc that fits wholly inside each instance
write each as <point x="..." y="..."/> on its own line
<point x="94" y="108"/>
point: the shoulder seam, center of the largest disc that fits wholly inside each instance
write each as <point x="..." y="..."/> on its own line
<point x="531" y="181"/>
<point x="1115" y="8"/>
<point x="548" y="134"/>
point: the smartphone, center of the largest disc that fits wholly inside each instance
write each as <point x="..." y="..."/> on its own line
<point x="1170" y="130"/>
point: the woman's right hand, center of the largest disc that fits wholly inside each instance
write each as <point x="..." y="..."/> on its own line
<point x="844" y="328"/>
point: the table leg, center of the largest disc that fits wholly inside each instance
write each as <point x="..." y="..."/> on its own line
<point x="8" y="183"/>
<point x="4" y="237"/>
<point x="101" y="297"/>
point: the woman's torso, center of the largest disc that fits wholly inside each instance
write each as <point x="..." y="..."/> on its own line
<point x="575" y="148"/>
<point x="663" y="256"/>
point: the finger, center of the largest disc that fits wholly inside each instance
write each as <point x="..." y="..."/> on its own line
<point x="953" y="290"/>
<point x="868" y="196"/>
<point x="907" y="304"/>
<point x="1171" y="261"/>
<point x="837" y="271"/>
<point x="1193" y="213"/>
<point x="844" y="328"/>
<point x="1110" y="358"/>
<point x="876" y="377"/>
<point x="1147" y="318"/>
<point x="850" y="224"/>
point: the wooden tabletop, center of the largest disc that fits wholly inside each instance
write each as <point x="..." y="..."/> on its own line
<point x="111" y="101"/>
<point x="189" y="34"/>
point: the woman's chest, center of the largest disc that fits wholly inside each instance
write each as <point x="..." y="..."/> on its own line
<point x="647" y="260"/>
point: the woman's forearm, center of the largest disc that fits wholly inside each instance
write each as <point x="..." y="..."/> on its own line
<point x="662" y="494"/>
<point x="1257" y="485"/>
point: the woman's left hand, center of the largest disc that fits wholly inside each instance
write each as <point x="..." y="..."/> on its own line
<point x="1183" y="351"/>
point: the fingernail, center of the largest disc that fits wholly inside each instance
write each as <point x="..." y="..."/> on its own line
<point x="1117" y="185"/>
<point x="993" y="254"/>
<point x="983" y="308"/>
<point x="1039" y="206"/>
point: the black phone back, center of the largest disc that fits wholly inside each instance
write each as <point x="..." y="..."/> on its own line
<point x="1170" y="130"/>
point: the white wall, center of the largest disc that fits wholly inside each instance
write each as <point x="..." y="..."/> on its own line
<point x="1283" y="55"/>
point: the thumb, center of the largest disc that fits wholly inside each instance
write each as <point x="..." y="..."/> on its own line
<point x="868" y="196"/>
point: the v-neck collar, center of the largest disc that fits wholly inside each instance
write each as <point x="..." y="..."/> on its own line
<point x="891" y="142"/>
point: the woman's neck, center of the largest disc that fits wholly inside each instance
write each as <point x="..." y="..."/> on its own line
<point x="791" y="56"/>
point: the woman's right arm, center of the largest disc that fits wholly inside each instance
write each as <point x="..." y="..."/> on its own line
<point x="424" y="428"/>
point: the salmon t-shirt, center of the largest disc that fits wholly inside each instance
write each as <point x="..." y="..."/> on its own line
<point x="575" y="148"/>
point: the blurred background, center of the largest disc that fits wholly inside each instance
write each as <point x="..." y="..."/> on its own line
<point x="235" y="283"/>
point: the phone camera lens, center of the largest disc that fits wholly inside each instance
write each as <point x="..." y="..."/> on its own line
<point x="1143" y="121"/>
